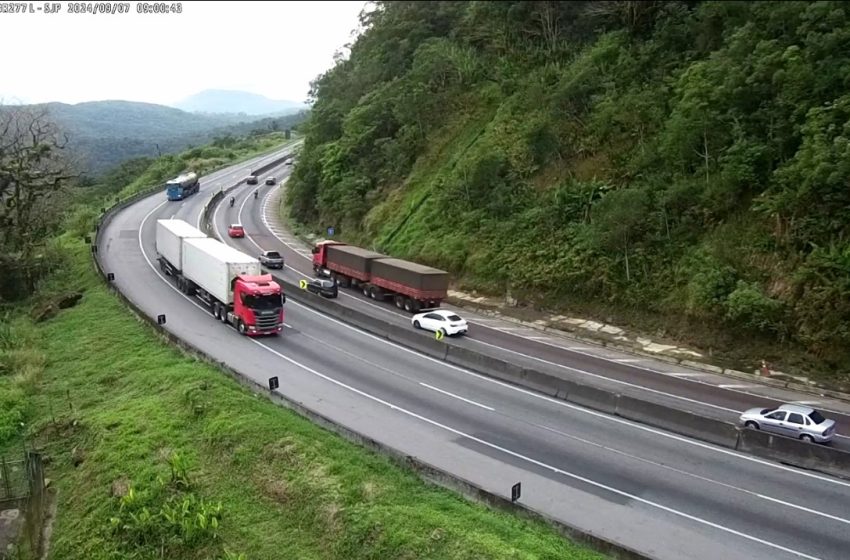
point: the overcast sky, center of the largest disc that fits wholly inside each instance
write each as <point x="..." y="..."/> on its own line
<point x="271" y="48"/>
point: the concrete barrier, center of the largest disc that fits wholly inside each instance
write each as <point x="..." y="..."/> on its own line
<point x="682" y="422"/>
<point x="678" y="421"/>
<point x="821" y="458"/>
<point x="476" y="361"/>
<point x="546" y="384"/>
<point x="591" y="397"/>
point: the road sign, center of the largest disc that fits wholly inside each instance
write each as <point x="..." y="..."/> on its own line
<point x="439" y="335"/>
<point x="273" y="383"/>
<point x="516" y="490"/>
<point x="303" y="284"/>
<point x="331" y="231"/>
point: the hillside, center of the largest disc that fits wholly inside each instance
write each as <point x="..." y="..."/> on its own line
<point x="682" y="167"/>
<point x="106" y="133"/>
<point x="217" y="101"/>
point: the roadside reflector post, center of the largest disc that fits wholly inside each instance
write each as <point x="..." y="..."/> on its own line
<point x="516" y="490"/>
<point x="439" y="335"/>
<point x="160" y="319"/>
<point x="303" y="284"/>
<point x="273" y="383"/>
<point x="110" y="276"/>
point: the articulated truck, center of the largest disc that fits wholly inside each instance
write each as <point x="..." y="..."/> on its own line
<point x="411" y="286"/>
<point x="230" y="283"/>
<point x="182" y="186"/>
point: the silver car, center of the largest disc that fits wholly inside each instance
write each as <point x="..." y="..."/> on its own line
<point x="792" y="420"/>
<point x="271" y="259"/>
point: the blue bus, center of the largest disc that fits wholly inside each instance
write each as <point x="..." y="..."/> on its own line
<point x="182" y="186"/>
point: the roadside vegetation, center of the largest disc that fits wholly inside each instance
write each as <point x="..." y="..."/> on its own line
<point x="155" y="454"/>
<point x="677" y="167"/>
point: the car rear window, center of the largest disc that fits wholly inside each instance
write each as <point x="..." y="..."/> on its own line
<point x="816" y="417"/>
<point x="273" y="255"/>
<point x="454" y="318"/>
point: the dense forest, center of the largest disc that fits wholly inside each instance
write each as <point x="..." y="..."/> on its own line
<point x="103" y="134"/>
<point x="682" y="166"/>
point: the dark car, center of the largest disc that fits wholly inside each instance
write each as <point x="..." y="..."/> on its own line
<point x="252" y="180"/>
<point x="271" y="259"/>
<point x="270" y="180"/>
<point x="322" y="287"/>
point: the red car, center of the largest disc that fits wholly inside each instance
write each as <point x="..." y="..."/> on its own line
<point x="236" y="230"/>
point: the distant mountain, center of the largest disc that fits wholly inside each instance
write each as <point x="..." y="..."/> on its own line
<point x="218" y="101"/>
<point x="102" y="134"/>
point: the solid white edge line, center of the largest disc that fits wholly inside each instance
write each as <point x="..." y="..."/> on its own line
<point x="564" y="403"/>
<point x="491" y="409"/>
<point x="473" y="438"/>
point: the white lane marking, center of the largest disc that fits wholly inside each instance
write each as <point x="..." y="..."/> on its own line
<point x="549" y="342"/>
<point x="534" y="461"/>
<point x="642" y="427"/>
<point x="456" y="396"/>
<point x="609" y="379"/>
<point x="627" y="360"/>
<point x="687" y="374"/>
<point x="538" y="338"/>
<point x="695" y="476"/>
<point x="739" y="386"/>
<point x="811" y="403"/>
<point x="484" y="442"/>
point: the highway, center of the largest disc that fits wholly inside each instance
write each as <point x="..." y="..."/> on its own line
<point x="655" y="492"/>
<point x="665" y="383"/>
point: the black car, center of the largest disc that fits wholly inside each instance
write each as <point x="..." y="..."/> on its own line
<point x="322" y="287"/>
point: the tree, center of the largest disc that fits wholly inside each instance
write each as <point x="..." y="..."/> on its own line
<point x="33" y="171"/>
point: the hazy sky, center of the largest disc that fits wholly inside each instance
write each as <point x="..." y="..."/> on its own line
<point x="270" y="48"/>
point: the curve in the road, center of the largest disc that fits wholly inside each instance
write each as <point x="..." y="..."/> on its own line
<point x="662" y="494"/>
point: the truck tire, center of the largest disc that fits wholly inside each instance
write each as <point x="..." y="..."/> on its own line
<point x="408" y="305"/>
<point x="399" y="302"/>
<point x="216" y="310"/>
<point x="365" y="289"/>
<point x="240" y="326"/>
<point x="376" y="293"/>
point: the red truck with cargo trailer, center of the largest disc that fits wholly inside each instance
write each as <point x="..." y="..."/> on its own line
<point x="411" y="286"/>
<point x="230" y="283"/>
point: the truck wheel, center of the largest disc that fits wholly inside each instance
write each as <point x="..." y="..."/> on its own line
<point x="181" y="284"/>
<point x="376" y="293"/>
<point x="408" y="305"/>
<point x="216" y="310"/>
<point x="399" y="302"/>
<point x="242" y="328"/>
<point x="365" y="289"/>
<point x="416" y="306"/>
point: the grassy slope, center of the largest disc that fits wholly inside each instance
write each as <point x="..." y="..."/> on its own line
<point x="285" y="484"/>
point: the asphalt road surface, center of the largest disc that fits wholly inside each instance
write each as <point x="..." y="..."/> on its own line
<point x="674" y="385"/>
<point x="655" y="492"/>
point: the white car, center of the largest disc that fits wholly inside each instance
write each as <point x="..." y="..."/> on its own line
<point x="440" y="320"/>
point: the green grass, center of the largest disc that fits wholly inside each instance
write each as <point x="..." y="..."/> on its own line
<point x="115" y="396"/>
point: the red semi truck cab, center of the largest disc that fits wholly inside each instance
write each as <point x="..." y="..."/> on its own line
<point x="258" y="305"/>
<point x="320" y="256"/>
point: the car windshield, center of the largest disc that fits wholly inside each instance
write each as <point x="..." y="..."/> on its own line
<point x="454" y="318"/>
<point x="266" y="302"/>
<point x="273" y="255"/>
<point x="817" y="417"/>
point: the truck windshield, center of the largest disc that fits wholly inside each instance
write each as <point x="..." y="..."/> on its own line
<point x="262" y="302"/>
